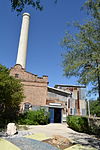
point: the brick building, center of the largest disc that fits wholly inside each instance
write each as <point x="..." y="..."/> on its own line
<point x="60" y="101"/>
<point x="35" y="88"/>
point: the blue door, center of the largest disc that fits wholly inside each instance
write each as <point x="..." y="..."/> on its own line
<point x="51" y="115"/>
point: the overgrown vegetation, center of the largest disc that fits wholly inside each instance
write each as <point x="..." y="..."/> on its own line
<point x="78" y="123"/>
<point x="11" y="95"/>
<point x="82" y="56"/>
<point x="39" y="117"/>
<point x="82" y="124"/>
<point x="95" y="108"/>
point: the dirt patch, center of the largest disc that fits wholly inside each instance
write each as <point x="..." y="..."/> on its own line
<point x="59" y="142"/>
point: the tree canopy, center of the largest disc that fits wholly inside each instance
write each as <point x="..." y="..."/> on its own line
<point x="95" y="108"/>
<point x="11" y="95"/>
<point x="82" y="56"/>
<point x="18" y="5"/>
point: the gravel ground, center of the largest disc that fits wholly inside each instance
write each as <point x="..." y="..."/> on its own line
<point x="30" y="144"/>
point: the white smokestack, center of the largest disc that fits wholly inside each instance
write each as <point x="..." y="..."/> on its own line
<point x="22" y="49"/>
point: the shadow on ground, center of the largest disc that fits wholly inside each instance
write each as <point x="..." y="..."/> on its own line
<point x="93" y="142"/>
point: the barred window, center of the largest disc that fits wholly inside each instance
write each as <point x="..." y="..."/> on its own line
<point x="27" y="106"/>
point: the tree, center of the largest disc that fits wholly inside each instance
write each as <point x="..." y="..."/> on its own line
<point x="11" y="95"/>
<point x="95" y="108"/>
<point x="82" y="58"/>
<point x="18" y="5"/>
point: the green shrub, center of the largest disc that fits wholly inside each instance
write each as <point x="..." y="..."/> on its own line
<point x="81" y="124"/>
<point x="39" y="117"/>
<point x="95" y="107"/>
<point x="78" y="123"/>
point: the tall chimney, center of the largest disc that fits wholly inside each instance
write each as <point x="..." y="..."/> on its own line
<point x="22" y="49"/>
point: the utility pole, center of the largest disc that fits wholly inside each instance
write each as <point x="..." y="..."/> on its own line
<point x="88" y="108"/>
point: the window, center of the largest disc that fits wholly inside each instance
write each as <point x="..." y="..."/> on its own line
<point x="16" y="75"/>
<point x="75" y="111"/>
<point x="71" y="111"/>
<point x="68" y="103"/>
<point x="83" y="112"/>
<point x="27" y="106"/>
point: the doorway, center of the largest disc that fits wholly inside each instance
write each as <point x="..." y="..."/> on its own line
<point x="55" y="115"/>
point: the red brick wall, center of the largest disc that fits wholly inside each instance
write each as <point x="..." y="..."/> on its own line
<point x="35" y="88"/>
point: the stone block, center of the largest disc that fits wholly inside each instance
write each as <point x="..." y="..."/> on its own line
<point x="11" y="129"/>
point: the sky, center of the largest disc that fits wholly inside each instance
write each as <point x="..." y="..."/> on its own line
<point x="46" y="31"/>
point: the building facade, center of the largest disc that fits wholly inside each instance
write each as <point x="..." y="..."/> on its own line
<point x="76" y="104"/>
<point x="35" y="88"/>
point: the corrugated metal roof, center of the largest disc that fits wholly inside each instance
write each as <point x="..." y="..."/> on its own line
<point x="66" y="85"/>
<point x="60" y="90"/>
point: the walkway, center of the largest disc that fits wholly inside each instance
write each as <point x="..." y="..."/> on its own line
<point x="31" y="139"/>
<point x="63" y="130"/>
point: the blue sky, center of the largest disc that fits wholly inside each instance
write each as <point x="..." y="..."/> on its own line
<point x="47" y="29"/>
